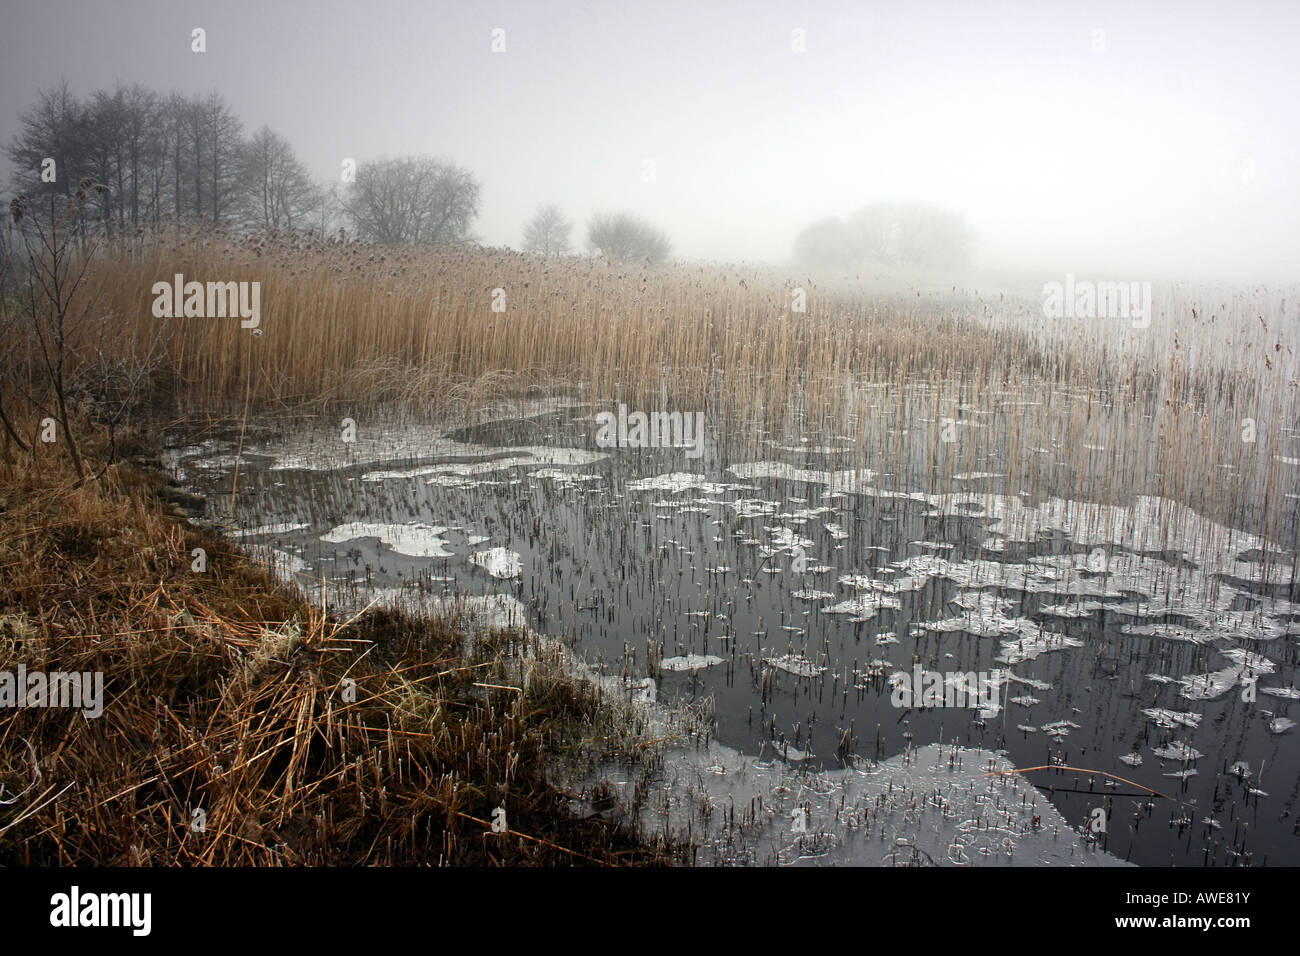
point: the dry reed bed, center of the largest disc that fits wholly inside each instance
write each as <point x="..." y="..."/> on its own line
<point x="224" y="693"/>
<point x="1095" y="409"/>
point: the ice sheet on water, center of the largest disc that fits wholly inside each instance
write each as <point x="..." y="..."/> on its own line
<point x="1177" y="750"/>
<point x="690" y="662"/>
<point x="754" y="507"/>
<point x="679" y="481"/>
<point x="498" y="562"/>
<point x="1249" y="662"/>
<point x="863" y="607"/>
<point x="563" y="478"/>
<point x="1169" y="632"/>
<point x="785" y="539"/>
<point x="282" y="564"/>
<point x="935" y="805"/>
<point x="487" y="611"/>
<point x="795" y="664"/>
<point x="847" y="480"/>
<point x="810" y="594"/>
<point x="414" y="539"/>
<point x="1029" y="681"/>
<point x="1172" y="718"/>
<point x="1059" y="728"/>
<point x="283" y="527"/>
<point x="1030" y="646"/>
<point x="1208" y="686"/>
<point x="1077" y="610"/>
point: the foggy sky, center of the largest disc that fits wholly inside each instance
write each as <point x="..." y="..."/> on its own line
<point x="1176" y="150"/>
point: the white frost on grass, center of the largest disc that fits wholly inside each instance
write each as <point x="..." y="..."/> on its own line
<point x="415" y="540"/>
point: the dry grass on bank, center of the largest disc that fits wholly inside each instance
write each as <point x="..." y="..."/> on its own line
<point x="224" y="693"/>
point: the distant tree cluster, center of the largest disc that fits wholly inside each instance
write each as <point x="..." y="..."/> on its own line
<point x="156" y="159"/>
<point x="163" y="158"/>
<point x="413" y="199"/>
<point x="626" y="237"/>
<point x="133" y="159"/>
<point x="909" y="235"/>
<point x="620" y="236"/>
<point x="547" y="234"/>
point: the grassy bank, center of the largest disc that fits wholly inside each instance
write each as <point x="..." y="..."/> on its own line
<point x="227" y="703"/>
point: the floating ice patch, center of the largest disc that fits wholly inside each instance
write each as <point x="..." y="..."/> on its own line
<point x="1059" y="728"/>
<point x="487" y="611"/>
<point x="795" y="664"/>
<point x="691" y="662"/>
<point x="1029" y="681"/>
<point x="280" y="563"/>
<point x="1177" y="750"/>
<point x="864" y="607"/>
<point x="679" y="481"/>
<point x="1169" y="632"/>
<point x="1208" y="686"/>
<point x="1027" y="648"/>
<point x="562" y="477"/>
<point x="1249" y="662"/>
<point x="1280" y="725"/>
<point x="284" y="527"/>
<point x="399" y="473"/>
<point x="1172" y="718"/>
<point x="498" y="562"/>
<point x="848" y="479"/>
<point x="414" y="540"/>
<point x="935" y="806"/>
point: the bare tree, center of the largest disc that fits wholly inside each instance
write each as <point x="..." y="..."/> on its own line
<point x="912" y="235"/>
<point x="51" y="272"/>
<point x="548" y="233"/>
<point x="413" y="199"/>
<point x="275" y="190"/>
<point x="625" y="236"/>
<point x="827" y="243"/>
